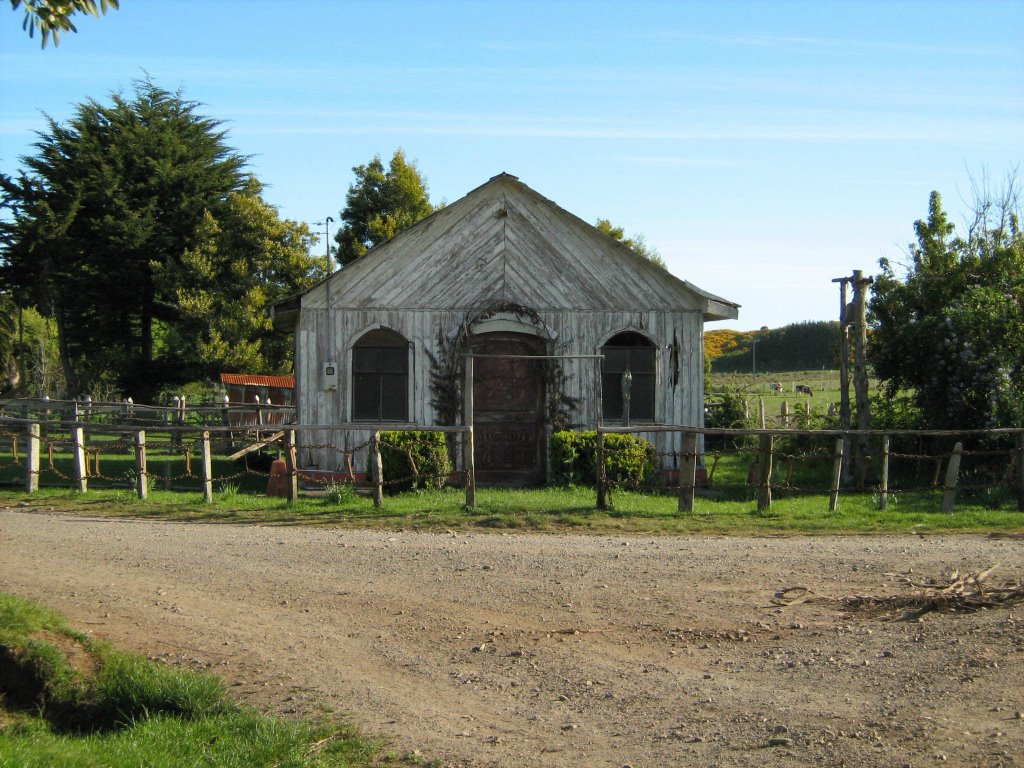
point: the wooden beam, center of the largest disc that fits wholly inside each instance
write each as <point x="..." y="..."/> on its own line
<point x="688" y="472"/>
<point x="256" y="446"/>
<point x="206" y="466"/>
<point x="837" y="475"/>
<point x="32" y="459"/>
<point x="141" y="474"/>
<point x="81" y="468"/>
<point x="952" y="475"/>
<point x="468" y="440"/>
<point x="764" y="490"/>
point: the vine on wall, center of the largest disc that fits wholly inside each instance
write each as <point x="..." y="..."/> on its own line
<point x="447" y="368"/>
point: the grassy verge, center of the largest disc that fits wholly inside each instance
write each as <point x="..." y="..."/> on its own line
<point x="68" y="700"/>
<point x="547" y="509"/>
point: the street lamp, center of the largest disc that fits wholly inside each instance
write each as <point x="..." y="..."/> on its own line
<point x="327" y="239"/>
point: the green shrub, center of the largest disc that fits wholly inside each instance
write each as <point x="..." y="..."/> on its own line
<point x="727" y="412"/>
<point x="337" y="494"/>
<point x="631" y="460"/>
<point x="429" y="452"/>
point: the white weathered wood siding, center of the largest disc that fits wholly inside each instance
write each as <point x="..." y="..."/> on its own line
<point x="502" y="244"/>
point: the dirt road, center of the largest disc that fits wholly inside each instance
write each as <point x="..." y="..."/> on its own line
<point x="543" y="650"/>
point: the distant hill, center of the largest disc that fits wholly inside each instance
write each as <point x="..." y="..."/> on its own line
<point x="804" y="346"/>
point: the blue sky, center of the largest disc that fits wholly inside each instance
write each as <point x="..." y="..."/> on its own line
<point x="763" y="148"/>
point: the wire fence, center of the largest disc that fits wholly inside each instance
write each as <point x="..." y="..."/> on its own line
<point x="985" y="466"/>
<point x="139" y="453"/>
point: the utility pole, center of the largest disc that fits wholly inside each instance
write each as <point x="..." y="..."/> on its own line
<point x="844" y="372"/>
<point x="854" y="314"/>
<point x="860" y="369"/>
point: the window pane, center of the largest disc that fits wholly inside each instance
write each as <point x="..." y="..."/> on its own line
<point x="611" y="403"/>
<point x="394" y="397"/>
<point x="366" y="396"/>
<point x="365" y="359"/>
<point x="394" y="360"/>
<point x="641" y="400"/>
<point x="641" y="360"/>
<point x="615" y="359"/>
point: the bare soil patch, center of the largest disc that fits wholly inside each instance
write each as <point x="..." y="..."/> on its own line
<point x="560" y="650"/>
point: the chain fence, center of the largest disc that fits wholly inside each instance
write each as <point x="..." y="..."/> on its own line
<point x="983" y="466"/>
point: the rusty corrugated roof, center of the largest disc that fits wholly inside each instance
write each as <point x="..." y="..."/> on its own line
<point x="254" y="380"/>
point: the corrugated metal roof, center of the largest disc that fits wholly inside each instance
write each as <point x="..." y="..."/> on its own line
<point x="252" y="380"/>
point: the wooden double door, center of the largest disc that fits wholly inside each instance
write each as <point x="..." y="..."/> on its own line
<point x="508" y="397"/>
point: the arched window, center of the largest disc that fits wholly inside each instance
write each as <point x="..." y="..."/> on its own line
<point x="380" y="377"/>
<point x="631" y="352"/>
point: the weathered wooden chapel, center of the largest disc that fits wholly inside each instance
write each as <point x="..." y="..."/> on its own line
<point x="502" y="271"/>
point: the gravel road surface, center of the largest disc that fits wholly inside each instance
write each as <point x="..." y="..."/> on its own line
<point x="485" y="649"/>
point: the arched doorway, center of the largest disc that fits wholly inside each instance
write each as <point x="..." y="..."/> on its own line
<point x="508" y="404"/>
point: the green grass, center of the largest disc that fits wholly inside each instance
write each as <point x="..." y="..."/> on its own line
<point x="824" y="384"/>
<point x="552" y="509"/>
<point x="111" y="463"/>
<point x="68" y="700"/>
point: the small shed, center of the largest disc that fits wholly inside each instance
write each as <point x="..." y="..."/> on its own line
<point x="244" y="388"/>
<point x="506" y="274"/>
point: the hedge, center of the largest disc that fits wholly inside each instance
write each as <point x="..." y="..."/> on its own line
<point x="428" y="450"/>
<point x="631" y="460"/>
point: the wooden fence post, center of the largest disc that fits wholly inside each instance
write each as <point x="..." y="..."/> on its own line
<point x="226" y="415"/>
<point x="289" y="463"/>
<point x="468" y="438"/>
<point x="206" y="466"/>
<point x="81" y="468"/>
<point x="1019" y="440"/>
<point x="141" y="475"/>
<point x="764" y="489"/>
<point x="376" y="471"/>
<point x="883" y="491"/>
<point x="784" y="414"/>
<point x="32" y="459"/>
<point x="688" y="472"/>
<point x="837" y="475"/>
<point x="602" y="474"/>
<point x="952" y="474"/>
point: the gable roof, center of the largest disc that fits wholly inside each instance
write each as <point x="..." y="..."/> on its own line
<point x="504" y="242"/>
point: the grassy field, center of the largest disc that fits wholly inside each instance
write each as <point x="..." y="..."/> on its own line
<point x="824" y="384"/>
<point x="547" y="509"/>
<point x="69" y="700"/>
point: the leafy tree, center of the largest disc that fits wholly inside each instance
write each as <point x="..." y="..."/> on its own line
<point x="111" y="198"/>
<point x="952" y="331"/>
<point x="380" y="204"/>
<point x="9" y="373"/>
<point x="637" y="243"/>
<point x="53" y="17"/>
<point x="240" y="264"/>
<point x="809" y="345"/>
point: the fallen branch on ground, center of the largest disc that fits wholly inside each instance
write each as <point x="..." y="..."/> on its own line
<point x="957" y="593"/>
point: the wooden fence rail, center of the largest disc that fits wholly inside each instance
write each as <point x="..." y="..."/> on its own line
<point x="34" y="431"/>
<point x="763" y="466"/>
<point x="142" y="477"/>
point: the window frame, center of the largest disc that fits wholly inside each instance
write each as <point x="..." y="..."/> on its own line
<point x="381" y="340"/>
<point x="650" y="376"/>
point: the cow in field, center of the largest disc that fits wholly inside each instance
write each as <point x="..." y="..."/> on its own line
<point x="803" y="389"/>
<point x="776" y="387"/>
